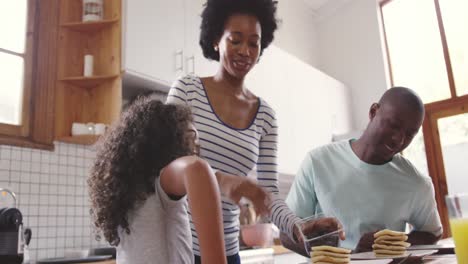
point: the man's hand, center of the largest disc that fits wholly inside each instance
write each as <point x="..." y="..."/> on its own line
<point x="365" y="243"/>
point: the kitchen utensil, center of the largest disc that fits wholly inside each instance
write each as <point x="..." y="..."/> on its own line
<point x="257" y="235"/>
<point x="317" y="237"/>
<point x="11" y="232"/>
<point x="99" y="128"/>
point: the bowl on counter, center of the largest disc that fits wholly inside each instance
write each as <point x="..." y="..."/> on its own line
<point x="257" y="235"/>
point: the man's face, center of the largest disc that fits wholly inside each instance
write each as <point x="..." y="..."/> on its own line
<point x="392" y="128"/>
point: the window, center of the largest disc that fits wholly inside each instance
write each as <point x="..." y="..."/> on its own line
<point x="28" y="37"/>
<point x="427" y="48"/>
<point x="15" y="64"/>
<point x="427" y="44"/>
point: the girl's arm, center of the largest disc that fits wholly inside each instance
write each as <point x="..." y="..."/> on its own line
<point x="193" y="177"/>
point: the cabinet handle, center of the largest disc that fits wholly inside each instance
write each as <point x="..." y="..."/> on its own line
<point x="179" y="63"/>
<point x="192" y="59"/>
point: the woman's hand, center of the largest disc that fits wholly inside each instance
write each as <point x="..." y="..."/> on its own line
<point x="236" y="187"/>
<point x="319" y="227"/>
<point x="250" y="190"/>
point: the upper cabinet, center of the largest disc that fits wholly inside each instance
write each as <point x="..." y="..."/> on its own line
<point x="196" y="63"/>
<point x="160" y="40"/>
<point x="310" y="106"/>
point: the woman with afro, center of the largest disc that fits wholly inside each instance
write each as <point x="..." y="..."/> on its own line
<point x="238" y="130"/>
<point x="145" y="175"/>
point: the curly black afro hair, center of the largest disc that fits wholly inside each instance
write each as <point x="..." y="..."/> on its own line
<point x="216" y="13"/>
<point x="148" y="136"/>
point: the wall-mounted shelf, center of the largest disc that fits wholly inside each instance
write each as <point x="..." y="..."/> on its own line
<point x="80" y="140"/>
<point x="90" y="27"/>
<point x="89" y="82"/>
<point x="94" y="99"/>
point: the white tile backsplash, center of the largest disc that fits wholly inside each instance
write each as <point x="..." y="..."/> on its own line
<point x="51" y="191"/>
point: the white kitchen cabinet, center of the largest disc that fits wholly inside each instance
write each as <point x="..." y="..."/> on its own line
<point x="154" y="38"/>
<point x="310" y="105"/>
<point x="196" y="63"/>
<point x="160" y="40"/>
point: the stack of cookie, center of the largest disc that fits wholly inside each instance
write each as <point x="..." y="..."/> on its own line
<point x="388" y="243"/>
<point x="330" y="255"/>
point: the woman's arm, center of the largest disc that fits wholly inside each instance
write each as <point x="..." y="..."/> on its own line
<point x="267" y="176"/>
<point x="194" y="177"/>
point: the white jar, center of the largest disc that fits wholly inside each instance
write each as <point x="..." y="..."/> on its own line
<point x="93" y="10"/>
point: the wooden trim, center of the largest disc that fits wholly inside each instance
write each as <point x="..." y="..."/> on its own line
<point x="30" y="63"/>
<point x="453" y="111"/>
<point x="24" y="142"/>
<point x="80" y="140"/>
<point x="436" y="169"/>
<point x="12" y="52"/>
<point x="9" y="130"/>
<point x="443" y="37"/>
<point x="435" y="158"/>
<point x="44" y="90"/>
<point x="90" y="82"/>
<point x="90" y="27"/>
<point x="446" y="104"/>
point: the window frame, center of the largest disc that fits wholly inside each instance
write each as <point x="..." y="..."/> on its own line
<point x="36" y="129"/>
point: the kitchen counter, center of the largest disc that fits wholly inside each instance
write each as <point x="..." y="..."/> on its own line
<point x="103" y="262"/>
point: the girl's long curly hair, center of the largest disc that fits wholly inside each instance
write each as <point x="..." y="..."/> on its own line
<point x="148" y="136"/>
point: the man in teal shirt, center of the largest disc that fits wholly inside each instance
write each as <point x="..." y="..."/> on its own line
<point x="366" y="183"/>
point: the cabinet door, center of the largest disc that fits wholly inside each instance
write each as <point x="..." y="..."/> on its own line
<point x="307" y="103"/>
<point x="195" y="62"/>
<point x="269" y="80"/>
<point x="154" y="38"/>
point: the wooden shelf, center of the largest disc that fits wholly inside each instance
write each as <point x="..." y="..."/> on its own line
<point x="89" y="82"/>
<point x="89" y="27"/>
<point x="80" y="140"/>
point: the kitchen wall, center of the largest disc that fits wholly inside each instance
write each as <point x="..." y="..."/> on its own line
<point x="349" y="41"/>
<point x="52" y="196"/>
<point x="297" y="32"/>
<point x="310" y="106"/>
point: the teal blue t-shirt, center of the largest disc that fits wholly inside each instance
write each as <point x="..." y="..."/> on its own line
<point x="364" y="197"/>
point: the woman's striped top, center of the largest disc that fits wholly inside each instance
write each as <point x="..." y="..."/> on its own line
<point x="235" y="151"/>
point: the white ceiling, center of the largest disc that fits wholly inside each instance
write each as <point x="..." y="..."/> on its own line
<point x="324" y="8"/>
<point x="316" y="4"/>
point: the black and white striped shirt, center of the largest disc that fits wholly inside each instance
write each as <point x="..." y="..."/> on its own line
<point x="235" y="151"/>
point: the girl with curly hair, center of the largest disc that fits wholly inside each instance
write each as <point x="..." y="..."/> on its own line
<point x="146" y="173"/>
<point x="238" y="130"/>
